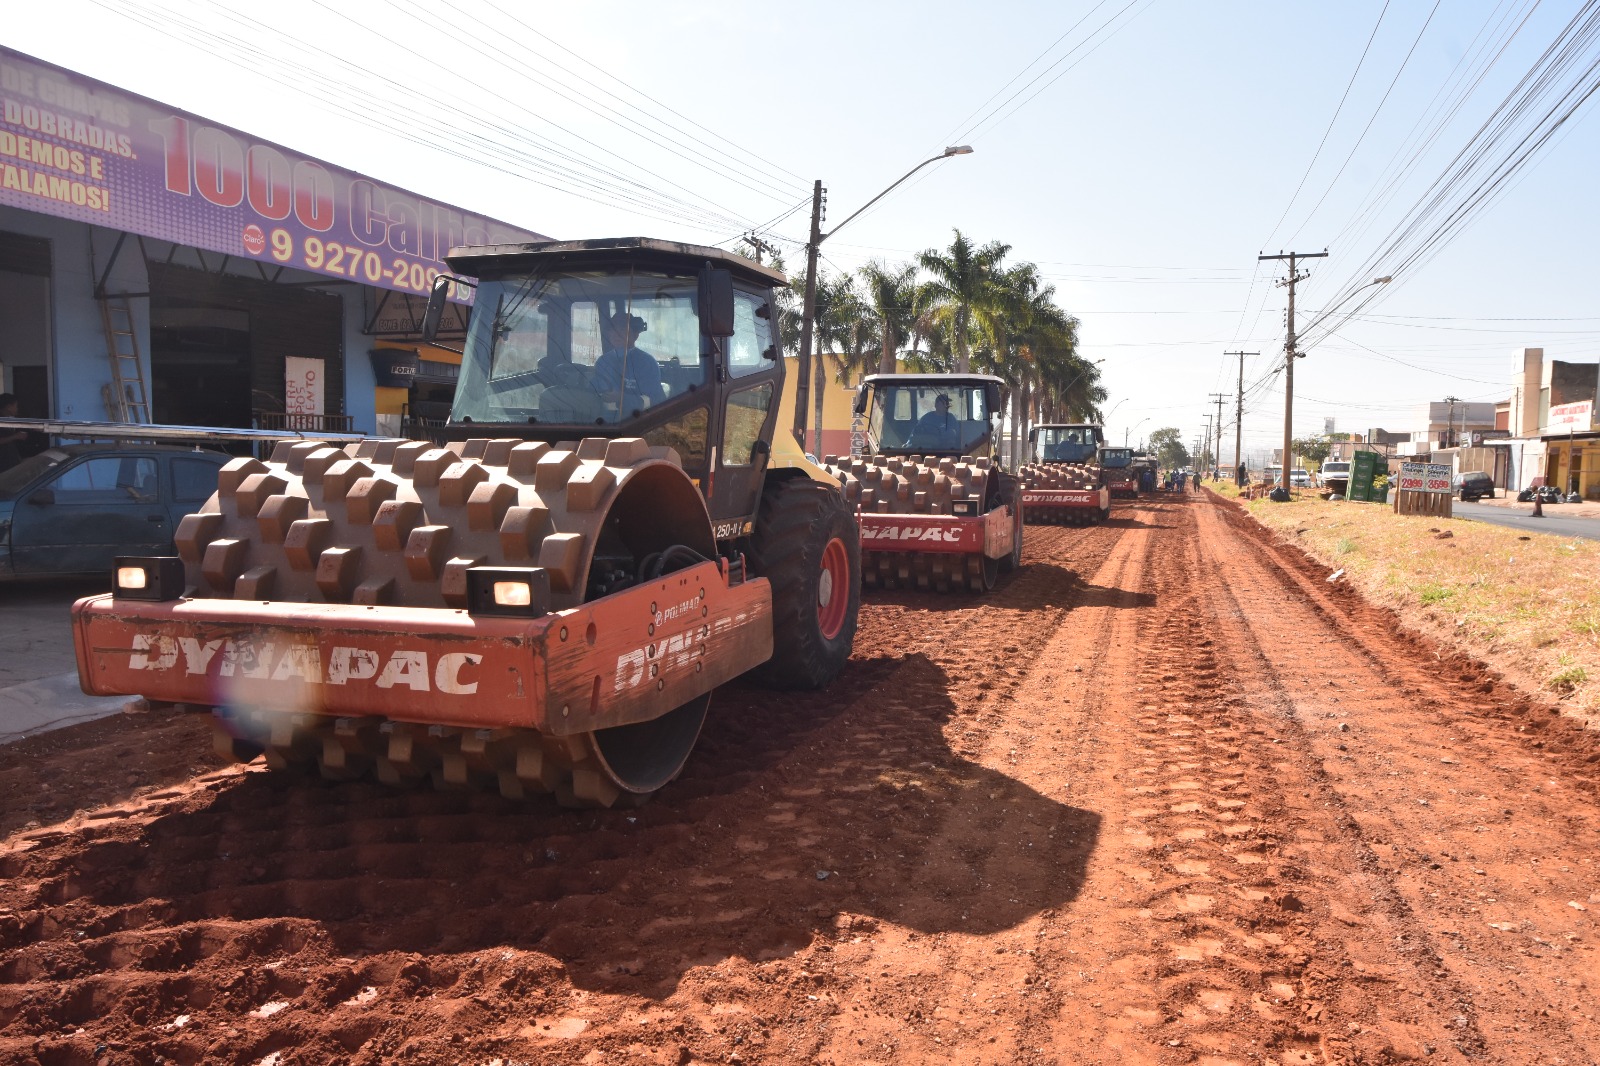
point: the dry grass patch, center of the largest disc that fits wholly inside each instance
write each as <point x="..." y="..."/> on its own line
<point x="1527" y="603"/>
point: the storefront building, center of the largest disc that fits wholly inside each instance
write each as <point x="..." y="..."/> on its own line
<point x="1572" y="449"/>
<point x="159" y="267"/>
<point x="1551" y="416"/>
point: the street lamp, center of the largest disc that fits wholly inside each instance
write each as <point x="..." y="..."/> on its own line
<point x="1114" y="407"/>
<point x="1127" y="432"/>
<point x="809" y="308"/>
<point x="1079" y="376"/>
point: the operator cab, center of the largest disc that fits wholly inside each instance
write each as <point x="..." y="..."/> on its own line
<point x="625" y="337"/>
<point x="929" y="414"/>
<point x="1116" y="458"/>
<point x="1075" y="443"/>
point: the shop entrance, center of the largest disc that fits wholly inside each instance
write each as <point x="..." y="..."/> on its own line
<point x="224" y="346"/>
<point x="199" y="366"/>
<point x="25" y="323"/>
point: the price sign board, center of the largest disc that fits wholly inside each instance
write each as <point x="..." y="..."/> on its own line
<point x="1363" y="468"/>
<point x="1425" y="477"/>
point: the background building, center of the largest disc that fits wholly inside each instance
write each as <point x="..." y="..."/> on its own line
<point x="159" y="267"/>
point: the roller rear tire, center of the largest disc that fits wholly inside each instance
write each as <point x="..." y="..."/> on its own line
<point x="807" y="544"/>
<point x="1012" y="494"/>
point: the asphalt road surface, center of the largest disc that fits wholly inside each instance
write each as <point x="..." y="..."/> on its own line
<point x="1165" y="797"/>
<point x="1553" y="521"/>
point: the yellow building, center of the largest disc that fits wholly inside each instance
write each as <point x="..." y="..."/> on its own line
<point x="837" y="403"/>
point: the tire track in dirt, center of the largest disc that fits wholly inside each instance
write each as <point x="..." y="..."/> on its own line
<point x="1474" y="850"/>
<point x="988" y="999"/>
<point x="356" y="923"/>
<point x="1189" y="938"/>
<point x="1106" y="814"/>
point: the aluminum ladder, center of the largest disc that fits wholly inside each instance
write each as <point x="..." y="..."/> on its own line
<point x="126" y="397"/>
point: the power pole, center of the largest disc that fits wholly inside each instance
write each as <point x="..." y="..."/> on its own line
<point x="802" y="385"/>
<point x="1290" y="355"/>
<point x="758" y="246"/>
<point x="1238" y="419"/>
<point x="1450" y="422"/>
<point x="1216" y="456"/>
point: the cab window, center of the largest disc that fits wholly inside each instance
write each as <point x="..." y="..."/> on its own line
<point x="747" y="413"/>
<point x="579" y="347"/>
<point x="686" y="435"/>
<point x="750" y="349"/>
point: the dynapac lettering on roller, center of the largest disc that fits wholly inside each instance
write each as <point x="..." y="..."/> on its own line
<point x="270" y="661"/>
<point x="1036" y="496"/>
<point x="652" y="660"/>
<point x="909" y="533"/>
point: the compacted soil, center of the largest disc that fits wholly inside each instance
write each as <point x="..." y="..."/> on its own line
<point x="1166" y="796"/>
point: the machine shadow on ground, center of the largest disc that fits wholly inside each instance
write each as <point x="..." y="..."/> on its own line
<point x="796" y="819"/>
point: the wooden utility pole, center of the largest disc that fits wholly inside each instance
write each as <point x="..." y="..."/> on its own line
<point x="1450" y="421"/>
<point x="802" y="384"/>
<point x="1290" y="355"/>
<point x="1238" y="420"/>
<point x="1216" y="427"/>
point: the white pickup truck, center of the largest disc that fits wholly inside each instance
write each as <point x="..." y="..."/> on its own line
<point x="1336" y="476"/>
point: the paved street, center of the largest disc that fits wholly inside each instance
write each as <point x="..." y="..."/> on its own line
<point x="38" y="674"/>
<point x="1560" y="519"/>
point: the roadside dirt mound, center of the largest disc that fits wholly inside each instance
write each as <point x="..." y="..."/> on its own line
<point x="1105" y="814"/>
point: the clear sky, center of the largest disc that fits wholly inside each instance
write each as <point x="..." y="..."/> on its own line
<point x="1158" y="152"/>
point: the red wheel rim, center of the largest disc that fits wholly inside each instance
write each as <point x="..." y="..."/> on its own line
<point x="833" y="589"/>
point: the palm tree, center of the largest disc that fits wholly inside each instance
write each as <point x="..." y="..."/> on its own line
<point x="841" y="333"/>
<point x="965" y="294"/>
<point x="890" y="298"/>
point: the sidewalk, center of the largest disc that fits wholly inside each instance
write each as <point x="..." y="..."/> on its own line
<point x="38" y="670"/>
<point x="1586" y="509"/>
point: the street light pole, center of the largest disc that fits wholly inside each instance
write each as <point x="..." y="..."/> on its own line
<point x="808" y="313"/>
<point x="1079" y="377"/>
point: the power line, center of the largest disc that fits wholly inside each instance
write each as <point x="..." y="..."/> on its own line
<point x="1335" y="118"/>
<point x="466" y="132"/>
<point x="639" y="92"/>
<point x="1374" y="117"/>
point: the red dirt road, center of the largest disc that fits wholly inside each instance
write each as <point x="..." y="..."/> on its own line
<point x="1165" y="797"/>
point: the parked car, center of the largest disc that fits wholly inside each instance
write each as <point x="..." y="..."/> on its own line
<point x="71" y="510"/>
<point x="1472" y="485"/>
<point x="1300" y="477"/>
<point x="1335" y="475"/>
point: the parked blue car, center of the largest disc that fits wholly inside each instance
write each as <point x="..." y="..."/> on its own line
<point x="69" y="511"/>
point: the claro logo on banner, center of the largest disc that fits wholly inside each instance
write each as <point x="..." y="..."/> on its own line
<point x="77" y="148"/>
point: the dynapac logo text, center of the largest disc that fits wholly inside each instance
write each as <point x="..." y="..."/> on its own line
<point x="909" y="533"/>
<point x="273" y="661"/>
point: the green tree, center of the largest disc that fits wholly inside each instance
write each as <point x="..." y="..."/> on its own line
<point x="1312" y="449"/>
<point x="889" y="299"/>
<point x="1168" y="447"/>
<point x="964" y="295"/>
<point x="841" y="334"/>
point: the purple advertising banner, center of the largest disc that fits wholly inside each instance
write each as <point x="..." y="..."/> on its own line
<point x="77" y="148"/>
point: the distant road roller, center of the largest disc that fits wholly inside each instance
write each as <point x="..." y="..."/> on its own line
<point x="542" y="597"/>
<point x="936" y="512"/>
<point x="1063" y="482"/>
<point x="1118" y="473"/>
